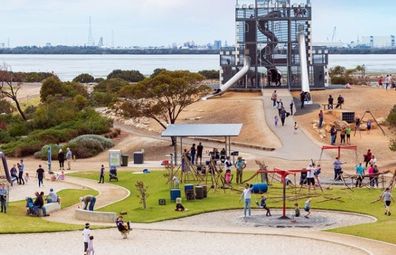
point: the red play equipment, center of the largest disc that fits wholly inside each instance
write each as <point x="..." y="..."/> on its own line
<point x="338" y="148"/>
<point x="283" y="174"/>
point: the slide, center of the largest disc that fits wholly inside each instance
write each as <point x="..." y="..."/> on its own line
<point x="239" y="75"/>
<point x="304" y="65"/>
<point x="5" y="167"/>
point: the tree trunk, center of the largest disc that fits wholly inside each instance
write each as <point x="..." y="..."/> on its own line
<point x="19" y="109"/>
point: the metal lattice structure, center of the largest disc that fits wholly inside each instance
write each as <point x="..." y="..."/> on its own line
<point x="268" y="32"/>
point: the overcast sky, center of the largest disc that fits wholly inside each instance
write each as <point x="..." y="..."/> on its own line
<point x="161" y="22"/>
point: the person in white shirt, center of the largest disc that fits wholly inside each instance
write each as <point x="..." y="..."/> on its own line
<point x="69" y="156"/>
<point x="228" y="164"/>
<point x="86" y="233"/>
<point x="310" y="177"/>
<point x="90" y="250"/>
<point x="247" y="197"/>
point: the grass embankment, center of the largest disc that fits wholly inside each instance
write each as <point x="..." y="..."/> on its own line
<point x="358" y="201"/>
<point x="16" y="220"/>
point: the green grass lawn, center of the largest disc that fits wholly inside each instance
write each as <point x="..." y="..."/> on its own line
<point x="16" y="220"/>
<point x="358" y="201"/>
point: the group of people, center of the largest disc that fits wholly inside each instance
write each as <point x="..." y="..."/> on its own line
<point x="345" y="134"/>
<point x="62" y="157"/>
<point x="310" y="176"/>
<point x="239" y="165"/>
<point x="34" y="206"/>
<point x="330" y="102"/>
<point x="282" y="113"/>
<point x="387" y="82"/>
<point x="372" y="170"/>
<point x="18" y="173"/>
<point x="194" y="154"/>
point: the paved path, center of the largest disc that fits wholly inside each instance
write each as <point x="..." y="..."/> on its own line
<point x="295" y="145"/>
<point x="108" y="194"/>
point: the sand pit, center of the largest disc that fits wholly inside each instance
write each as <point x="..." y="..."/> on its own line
<point x="320" y="220"/>
<point x="171" y="242"/>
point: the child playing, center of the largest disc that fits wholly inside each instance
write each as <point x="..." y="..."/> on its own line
<point x="387" y="196"/>
<point x="26" y="177"/>
<point x="263" y="205"/>
<point x="296" y="210"/>
<point x="307" y="207"/>
<point x="276" y="119"/>
<point x="90" y="250"/>
<point x="228" y="177"/>
<point x="295" y="127"/>
<point x="179" y="206"/>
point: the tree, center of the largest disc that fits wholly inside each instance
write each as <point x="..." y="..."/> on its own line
<point x="111" y="86"/>
<point x="50" y="87"/>
<point x="127" y="75"/>
<point x="163" y="97"/>
<point x="9" y="89"/>
<point x="142" y="193"/>
<point x="157" y="71"/>
<point x="84" y="78"/>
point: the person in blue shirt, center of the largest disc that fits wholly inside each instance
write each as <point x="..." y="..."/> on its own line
<point x="360" y="174"/>
<point x="3" y="198"/>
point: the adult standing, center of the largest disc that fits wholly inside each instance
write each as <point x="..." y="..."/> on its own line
<point x="337" y="169"/>
<point x="360" y="173"/>
<point x="199" y="153"/>
<point x="21" y="169"/>
<point x="358" y="122"/>
<point x="342" y="135"/>
<point x="302" y="99"/>
<point x="367" y="157"/>
<point x="247" y="197"/>
<point x="282" y="115"/>
<point x="311" y="177"/>
<point x="330" y="102"/>
<point x="101" y="174"/>
<point x="321" y="119"/>
<point x="61" y="159"/>
<point x="274" y="98"/>
<point x="292" y="108"/>
<point x="333" y="135"/>
<point x="69" y="157"/>
<point x="3" y="198"/>
<point x="348" y="131"/>
<point x="193" y="152"/>
<point x="86" y="233"/>
<point x="239" y="165"/>
<point x="387" y="81"/>
<point x="40" y="176"/>
<point x="280" y="106"/>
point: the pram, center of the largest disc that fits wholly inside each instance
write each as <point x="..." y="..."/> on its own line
<point x="31" y="209"/>
<point x="113" y="173"/>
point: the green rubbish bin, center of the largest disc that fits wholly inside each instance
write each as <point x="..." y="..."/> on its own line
<point x="124" y="160"/>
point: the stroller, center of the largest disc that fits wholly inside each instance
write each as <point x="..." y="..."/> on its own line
<point x="113" y="173"/>
<point x="123" y="227"/>
<point x="31" y="210"/>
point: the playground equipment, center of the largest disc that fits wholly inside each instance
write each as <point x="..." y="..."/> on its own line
<point x="375" y="120"/>
<point x="6" y="172"/>
<point x="273" y="48"/>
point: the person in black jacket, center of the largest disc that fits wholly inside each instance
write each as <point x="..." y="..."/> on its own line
<point x="61" y="159"/>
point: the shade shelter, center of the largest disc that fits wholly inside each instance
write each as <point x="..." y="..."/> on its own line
<point x="181" y="131"/>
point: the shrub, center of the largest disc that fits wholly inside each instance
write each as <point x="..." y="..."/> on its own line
<point x="5" y="137"/>
<point x="392" y="145"/>
<point x="84" y="78"/>
<point x="51" y="86"/>
<point x="210" y="74"/>
<point x="19" y="128"/>
<point x="97" y="80"/>
<point x="80" y="102"/>
<point x="6" y="107"/>
<point x="43" y="153"/>
<point x="111" y="85"/>
<point x="127" y="75"/>
<point x="157" y="72"/>
<point x="392" y="117"/>
<point x="86" y="146"/>
<point x="102" y="99"/>
<point x="29" y="111"/>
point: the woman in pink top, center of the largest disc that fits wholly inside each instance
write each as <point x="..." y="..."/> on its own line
<point x="370" y="171"/>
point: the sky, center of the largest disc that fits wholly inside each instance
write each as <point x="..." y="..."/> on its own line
<point x="162" y="22"/>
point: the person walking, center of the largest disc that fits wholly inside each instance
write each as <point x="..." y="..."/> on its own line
<point x="387" y="196"/>
<point x="274" y="98"/>
<point x="307" y="208"/>
<point x="193" y="152"/>
<point x="90" y="249"/>
<point x="340" y="102"/>
<point x="282" y="115"/>
<point x="21" y="169"/>
<point x="101" y="174"/>
<point x="61" y="159"/>
<point x="360" y="173"/>
<point x="199" y="153"/>
<point x="276" y="120"/>
<point x="333" y="135"/>
<point x="239" y="165"/>
<point x="3" y="198"/>
<point x="40" y="176"/>
<point x="342" y="135"/>
<point x="247" y="196"/>
<point x="69" y="157"/>
<point x="367" y="157"/>
<point x="86" y="233"/>
<point x="320" y="119"/>
<point x="302" y="99"/>
<point x="295" y="127"/>
<point x="386" y="82"/>
<point x="280" y="106"/>
<point x="292" y="108"/>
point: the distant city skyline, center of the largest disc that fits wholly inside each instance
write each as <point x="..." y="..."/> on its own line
<point x="163" y="23"/>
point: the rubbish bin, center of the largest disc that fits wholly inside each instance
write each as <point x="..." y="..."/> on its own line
<point x="124" y="160"/>
<point x="138" y="158"/>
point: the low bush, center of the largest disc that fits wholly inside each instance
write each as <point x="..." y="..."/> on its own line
<point x="127" y="75"/>
<point x="84" y="78"/>
<point x="43" y="153"/>
<point x="19" y="128"/>
<point x="392" y="117"/>
<point x="86" y="146"/>
<point x="210" y="74"/>
<point x="102" y="99"/>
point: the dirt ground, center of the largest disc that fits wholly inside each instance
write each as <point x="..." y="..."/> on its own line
<point x="359" y="99"/>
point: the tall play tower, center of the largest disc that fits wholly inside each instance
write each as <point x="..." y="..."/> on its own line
<point x="273" y="48"/>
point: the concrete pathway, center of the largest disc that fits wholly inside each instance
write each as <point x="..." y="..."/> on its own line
<point x="295" y="145"/>
<point x="108" y="194"/>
